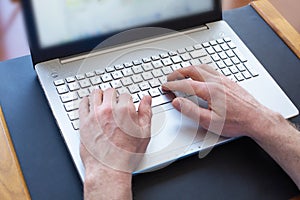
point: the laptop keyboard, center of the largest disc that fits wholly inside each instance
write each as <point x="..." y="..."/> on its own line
<point x="145" y="76"/>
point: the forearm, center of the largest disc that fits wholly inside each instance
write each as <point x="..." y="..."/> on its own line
<point x="105" y="183"/>
<point x="282" y="142"/>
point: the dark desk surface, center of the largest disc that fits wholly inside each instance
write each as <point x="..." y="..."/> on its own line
<point x="237" y="170"/>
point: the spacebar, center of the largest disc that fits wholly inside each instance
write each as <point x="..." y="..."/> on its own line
<point x="163" y="99"/>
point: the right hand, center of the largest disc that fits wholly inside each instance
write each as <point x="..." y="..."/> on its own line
<point x="229" y="105"/>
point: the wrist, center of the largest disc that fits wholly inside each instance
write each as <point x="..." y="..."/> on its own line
<point x="102" y="181"/>
<point x="263" y="122"/>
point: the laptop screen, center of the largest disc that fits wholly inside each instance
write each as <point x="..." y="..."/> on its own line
<point x="70" y="20"/>
<point x="68" y="27"/>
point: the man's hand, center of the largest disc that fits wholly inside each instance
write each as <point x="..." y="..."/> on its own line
<point x="114" y="138"/>
<point x="230" y="108"/>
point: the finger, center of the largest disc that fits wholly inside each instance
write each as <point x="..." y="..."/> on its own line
<point x="189" y="87"/>
<point x="84" y="108"/>
<point x="193" y="72"/>
<point x="145" y="111"/>
<point x="193" y="111"/>
<point x="95" y="99"/>
<point x="109" y="97"/>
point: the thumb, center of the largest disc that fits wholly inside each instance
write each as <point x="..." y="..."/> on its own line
<point x="193" y="111"/>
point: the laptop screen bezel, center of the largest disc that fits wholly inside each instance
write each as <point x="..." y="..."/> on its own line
<point x="40" y="54"/>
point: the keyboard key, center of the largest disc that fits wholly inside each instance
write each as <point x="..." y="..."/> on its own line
<point x="241" y="67"/>
<point x="164" y="55"/>
<point x="154" y="92"/>
<point x="157" y="73"/>
<point x="127" y="72"/>
<point x="224" y="46"/>
<point x="216" y="57"/>
<point x="99" y="72"/>
<point x="142" y="94"/>
<point x="117" y="75"/>
<point x="92" y="88"/>
<point x="213" y="43"/>
<point x="116" y="84"/>
<point x="181" y="51"/>
<point x="62" y="89"/>
<point x="109" y="69"/>
<point x="119" y="67"/>
<point x="144" y="86"/>
<point x="230" y="53"/>
<point x="185" y="64"/>
<point x="240" y="55"/>
<point x="133" y="89"/>
<point x="137" y="69"/>
<point x="126" y="81"/>
<point x="247" y="75"/>
<point x="167" y="61"/>
<point x="73" y="86"/>
<point x="75" y="124"/>
<point x="227" y="39"/>
<point x="147" y="67"/>
<point x="228" y="62"/>
<point x="198" y="53"/>
<point x="176" y="59"/>
<point x="220" y="41"/>
<point x="233" y="69"/>
<point x="223" y="55"/>
<point x="221" y="64"/>
<point x="226" y="71"/>
<point x="135" y="98"/>
<point x="172" y="53"/>
<point x="175" y="67"/>
<point x="59" y="82"/>
<point x="123" y="90"/>
<point x="198" y="46"/>
<point x="189" y="49"/>
<point x="186" y="57"/>
<point x="252" y="71"/>
<point x="146" y="60"/>
<point x="167" y="70"/>
<point x="217" y="49"/>
<point x="206" y="45"/>
<point x="90" y="74"/>
<point x="137" y="78"/>
<point x="137" y="62"/>
<point x="147" y="76"/>
<point x="239" y="77"/>
<point x="210" y="50"/>
<point x="157" y="64"/>
<point x="73" y="115"/>
<point x="154" y="58"/>
<point x="154" y="83"/>
<point x="83" y="93"/>
<point x="162" y="99"/>
<point x="80" y="77"/>
<point x="84" y="83"/>
<point x="163" y="79"/>
<point x="231" y="45"/>
<point x="105" y="86"/>
<point x="206" y="60"/>
<point x="128" y="64"/>
<point x="106" y="77"/>
<point x="195" y="62"/>
<point x="73" y="105"/>
<point x="95" y="80"/>
<point x="70" y="79"/>
<point x="68" y="97"/>
<point x="235" y="60"/>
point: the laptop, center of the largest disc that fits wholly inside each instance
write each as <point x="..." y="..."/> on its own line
<point x="78" y="46"/>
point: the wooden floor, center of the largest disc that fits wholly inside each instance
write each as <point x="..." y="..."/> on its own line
<point x="13" y="42"/>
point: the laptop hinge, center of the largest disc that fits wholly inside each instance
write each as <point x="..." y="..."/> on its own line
<point x="132" y="44"/>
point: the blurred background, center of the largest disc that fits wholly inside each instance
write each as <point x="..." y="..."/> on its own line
<point x="13" y="42"/>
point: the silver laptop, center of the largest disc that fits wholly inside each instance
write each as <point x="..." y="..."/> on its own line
<point x="78" y="46"/>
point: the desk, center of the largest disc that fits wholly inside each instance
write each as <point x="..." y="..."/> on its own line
<point x="237" y="170"/>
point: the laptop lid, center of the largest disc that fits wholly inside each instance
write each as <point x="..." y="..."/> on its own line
<point x="58" y="29"/>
